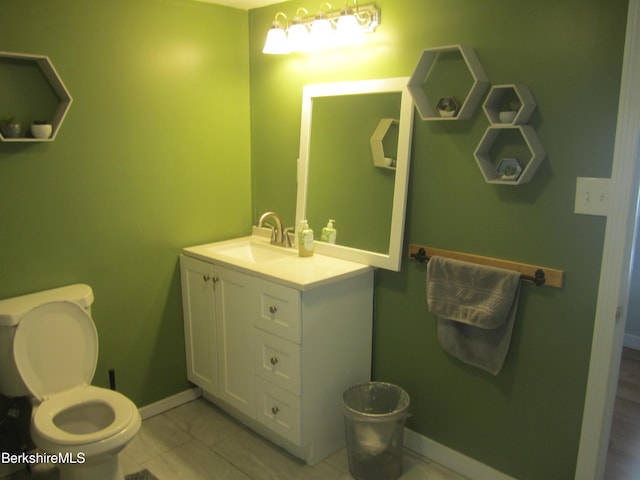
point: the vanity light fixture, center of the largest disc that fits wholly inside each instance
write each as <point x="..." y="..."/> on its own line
<point x="327" y="28"/>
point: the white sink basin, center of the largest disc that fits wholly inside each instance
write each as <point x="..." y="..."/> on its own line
<point x="255" y="254"/>
<point x="251" y="250"/>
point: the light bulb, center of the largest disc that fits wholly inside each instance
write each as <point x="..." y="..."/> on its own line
<point x="348" y="29"/>
<point x="276" y="42"/>
<point x="298" y="37"/>
<point x="321" y="33"/>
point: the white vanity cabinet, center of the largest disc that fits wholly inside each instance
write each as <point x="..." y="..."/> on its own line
<point x="278" y="354"/>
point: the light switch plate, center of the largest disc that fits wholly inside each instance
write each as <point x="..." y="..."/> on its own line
<point x="592" y="196"/>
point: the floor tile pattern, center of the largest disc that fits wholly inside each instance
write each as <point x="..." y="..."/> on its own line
<point x="198" y="441"/>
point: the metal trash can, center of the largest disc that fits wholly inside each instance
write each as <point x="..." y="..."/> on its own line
<point x="374" y="416"/>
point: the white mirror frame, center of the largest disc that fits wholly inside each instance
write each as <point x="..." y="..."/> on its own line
<point x="392" y="260"/>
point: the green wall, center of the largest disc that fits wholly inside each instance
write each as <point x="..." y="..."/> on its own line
<point x="154" y="155"/>
<point x="525" y="421"/>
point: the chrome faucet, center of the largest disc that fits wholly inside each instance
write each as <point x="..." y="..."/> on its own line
<point x="278" y="236"/>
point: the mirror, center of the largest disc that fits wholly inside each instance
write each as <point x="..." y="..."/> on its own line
<point x="345" y="175"/>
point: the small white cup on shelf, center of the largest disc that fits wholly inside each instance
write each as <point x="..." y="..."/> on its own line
<point x="41" y="130"/>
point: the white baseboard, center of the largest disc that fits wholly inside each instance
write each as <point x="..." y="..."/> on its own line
<point x="168" y="403"/>
<point x="447" y="457"/>
<point x="632" y="341"/>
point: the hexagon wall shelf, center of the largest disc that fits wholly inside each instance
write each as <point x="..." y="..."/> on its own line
<point x="377" y="146"/>
<point x="488" y="165"/>
<point x="422" y="71"/>
<point x="54" y="80"/>
<point x="498" y="93"/>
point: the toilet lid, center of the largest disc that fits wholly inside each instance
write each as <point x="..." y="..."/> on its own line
<point x="55" y="348"/>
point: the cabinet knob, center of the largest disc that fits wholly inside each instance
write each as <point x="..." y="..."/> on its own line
<point x="275" y="410"/>
<point x="273" y="360"/>
<point x="273" y="309"/>
<point x="215" y="279"/>
<point x="206" y="278"/>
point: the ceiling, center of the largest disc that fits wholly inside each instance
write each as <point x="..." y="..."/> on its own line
<point x="243" y="4"/>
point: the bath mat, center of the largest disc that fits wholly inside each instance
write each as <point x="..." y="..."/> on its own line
<point x="141" y="475"/>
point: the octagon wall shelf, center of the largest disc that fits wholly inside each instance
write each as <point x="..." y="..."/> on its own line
<point x="499" y="94"/>
<point x="489" y="164"/>
<point x="11" y="60"/>
<point x="428" y="59"/>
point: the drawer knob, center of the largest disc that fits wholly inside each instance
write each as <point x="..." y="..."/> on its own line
<point x="273" y="309"/>
<point x="273" y="360"/>
<point x="275" y="410"/>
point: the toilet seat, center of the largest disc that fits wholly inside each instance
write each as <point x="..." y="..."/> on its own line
<point x="55" y="348"/>
<point x="46" y="415"/>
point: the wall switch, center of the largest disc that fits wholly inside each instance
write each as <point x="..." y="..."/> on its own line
<point x="592" y="196"/>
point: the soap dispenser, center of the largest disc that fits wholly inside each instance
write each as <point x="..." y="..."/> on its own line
<point x="329" y="232"/>
<point x="305" y="240"/>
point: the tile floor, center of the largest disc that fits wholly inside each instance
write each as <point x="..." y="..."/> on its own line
<point x="199" y="441"/>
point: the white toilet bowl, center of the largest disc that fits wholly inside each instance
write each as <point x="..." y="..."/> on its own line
<point x="89" y="420"/>
<point x="88" y="426"/>
<point x="55" y="348"/>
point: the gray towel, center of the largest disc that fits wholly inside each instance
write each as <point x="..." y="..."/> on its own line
<point x="476" y="307"/>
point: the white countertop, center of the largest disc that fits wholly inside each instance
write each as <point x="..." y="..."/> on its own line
<point x="253" y="254"/>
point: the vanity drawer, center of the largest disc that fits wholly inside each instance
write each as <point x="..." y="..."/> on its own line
<point x="277" y="360"/>
<point x="278" y="410"/>
<point x="279" y="310"/>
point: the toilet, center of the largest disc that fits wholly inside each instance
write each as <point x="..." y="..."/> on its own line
<point x="49" y="351"/>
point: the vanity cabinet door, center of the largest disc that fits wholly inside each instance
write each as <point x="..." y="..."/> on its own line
<point x="236" y="302"/>
<point x="198" y="304"/>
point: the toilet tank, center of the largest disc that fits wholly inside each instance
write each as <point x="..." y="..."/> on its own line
<point x="12" y="310"/>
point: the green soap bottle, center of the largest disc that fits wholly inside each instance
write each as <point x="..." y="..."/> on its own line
<point x="305" y="240"/>
<point x="329" y="232"/>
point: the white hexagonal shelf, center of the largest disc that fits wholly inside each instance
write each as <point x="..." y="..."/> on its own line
<point x="427" y="60"/>
<point x="377" y="143"/>
<point x="489" y="166"/>
<point x="54" y="80"/>
<point x="494" y="108"/>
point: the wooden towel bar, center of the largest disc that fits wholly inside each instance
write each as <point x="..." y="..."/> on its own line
<point x="539" y="275"/>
